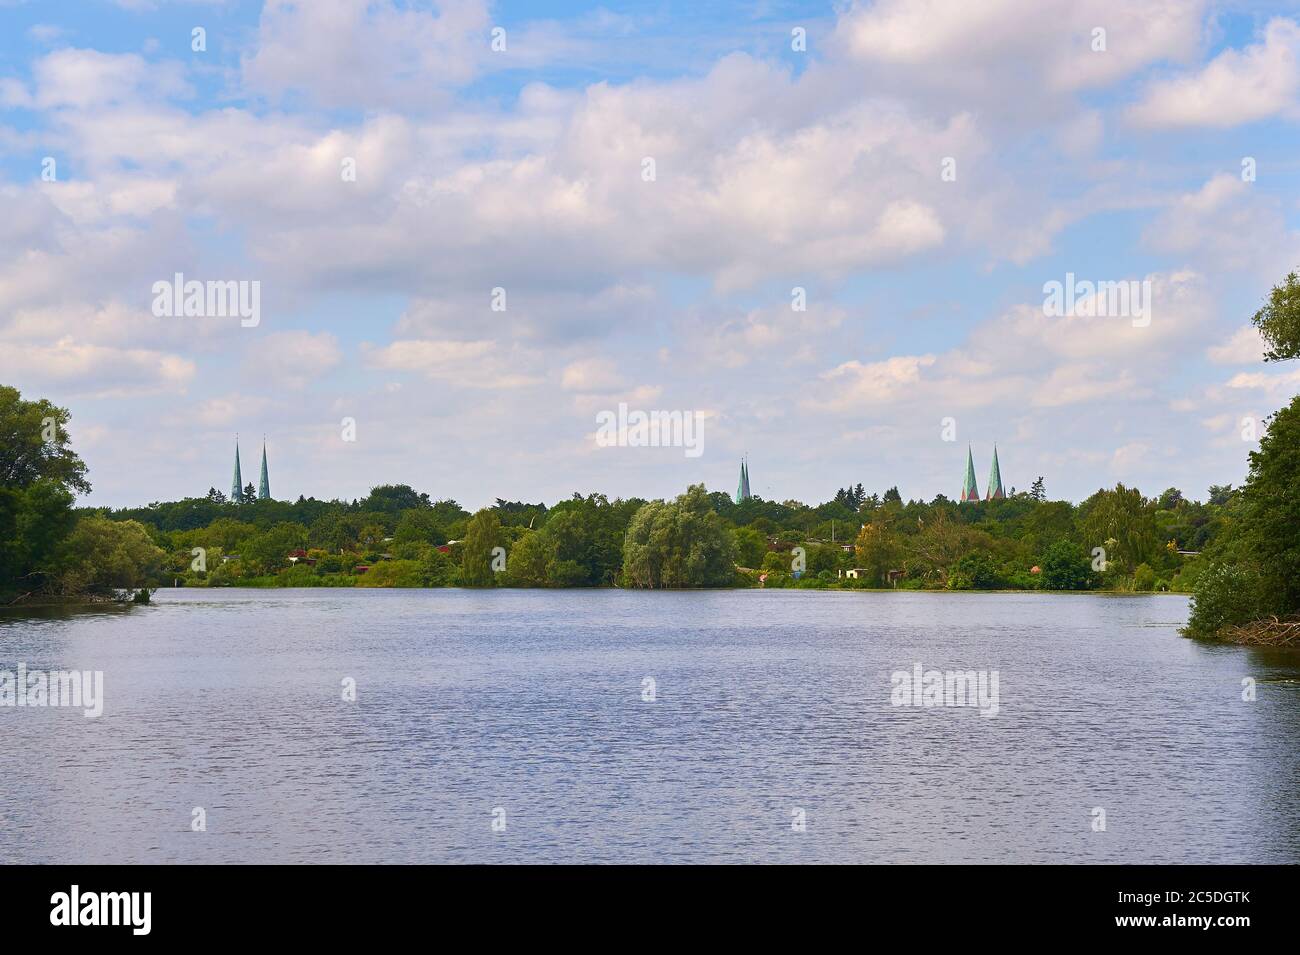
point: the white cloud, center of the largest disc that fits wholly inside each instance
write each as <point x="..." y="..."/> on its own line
<point x="1236" y="87"/>
<point x="590" y="374"/>
<point x="1225" y="224"/>
<point x="368" y="53"/>
<point x="292" y="359"/>
<point x="1243" y="348"/>
<point x="69" y="367"/>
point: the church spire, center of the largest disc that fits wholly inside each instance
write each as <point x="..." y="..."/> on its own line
<point x="742" y="488"/>
<point x="264" y="486"/>
<point x="237" y="482"/>
<point x="969" y="490"/>
<point x="994" y="487"/>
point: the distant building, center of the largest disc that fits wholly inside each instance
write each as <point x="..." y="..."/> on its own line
<point x="994" y="489"/>
<point x="264" y="485"/>
<point x="969" y="490"/>
<point x="237" y="481"/>
<point x="742" y="489"/>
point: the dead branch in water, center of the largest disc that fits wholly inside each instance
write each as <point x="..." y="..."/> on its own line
<point x="1265" y="633"/>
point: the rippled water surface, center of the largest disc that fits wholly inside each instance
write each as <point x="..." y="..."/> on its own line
<point x="531" y="702"/>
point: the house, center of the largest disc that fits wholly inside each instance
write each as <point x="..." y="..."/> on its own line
<point x="857" y="573"/>
<point x="301" y="555"/>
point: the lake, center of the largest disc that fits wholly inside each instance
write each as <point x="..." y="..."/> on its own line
<point x="522" y="726"/>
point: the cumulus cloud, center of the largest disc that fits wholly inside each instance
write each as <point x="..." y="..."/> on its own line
<point x="367" y="54"/>
<point x="1243" y="348"/>
<point x="292" y="359"/>
<point x="1236" y="87"/>
<point x="69" y="367"/>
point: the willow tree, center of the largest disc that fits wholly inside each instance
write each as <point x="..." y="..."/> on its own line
<point x="679" y="544"/>
<point x="1254" y="564"/>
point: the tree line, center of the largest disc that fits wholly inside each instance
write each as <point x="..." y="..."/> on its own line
<point x="1237" y="551"/>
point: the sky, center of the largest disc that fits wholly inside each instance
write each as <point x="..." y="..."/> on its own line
<point x="825" y="233"/>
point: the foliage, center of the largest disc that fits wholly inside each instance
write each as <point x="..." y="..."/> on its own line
<point x="1278" y="320"/>
<point x="101" y="556"/>
<point x="1254" y="567"/>
<point x="679" y="544"/>
<point x="482" y="535"/>
<point x="1066" y="566"/>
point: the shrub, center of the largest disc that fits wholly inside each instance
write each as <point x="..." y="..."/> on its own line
<point x="1225" y="594"/>
<point x="393" y="573"/>
<point x="1066" y="567"/>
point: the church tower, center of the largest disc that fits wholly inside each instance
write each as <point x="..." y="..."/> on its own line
<point x="264" y="485"/>
<point x="969" y="490"/>
<point x="236" y="483"/>
<point x="742" y="489"/>
<point x="994" y="487"/>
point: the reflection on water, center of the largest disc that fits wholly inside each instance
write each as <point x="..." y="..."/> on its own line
<point x="531" y="703"/>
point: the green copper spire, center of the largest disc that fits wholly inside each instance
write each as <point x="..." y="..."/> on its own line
<point x="237" y="482"/>
<point x="264" y="486"/>
<point x="994" y="487"/>
<point x="969" y="491"/>
<point x="742" y="489"/>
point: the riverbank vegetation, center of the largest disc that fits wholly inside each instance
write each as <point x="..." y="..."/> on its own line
<point x="49" y="551"/>
<point x="1118" y="540"/>
<point x="1237" y="551"/>
<point x="1250" y="590"/>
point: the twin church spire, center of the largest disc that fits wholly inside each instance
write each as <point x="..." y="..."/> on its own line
<point x="970" y="491"/>
<point x="742" y="489"/>
<point x="237" y="481"/>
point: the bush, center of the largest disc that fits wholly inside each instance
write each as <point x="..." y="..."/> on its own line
<point x="978" y="571"/>
<point x="1024" y="580"/>
<point x="1144" y="578"/>
<point x="393" y="573"/>
<point x="1066" y="567"/>
<point x="1225" y="594"/>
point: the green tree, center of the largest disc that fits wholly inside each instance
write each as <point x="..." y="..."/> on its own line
<point x="1124" y="516"/>
<point x="751" y="547"/>
<point x="392" y="499"/>
<point x="268" y="552"/>
<point x="1255" y="565"/>
<point x="1278" y="320"/>
<point x="976" y="570"/>
<point x="102" y="555"/>
<point x="1066" y="566"/>
<point x="39" y="474"/>
<point x="679" y="544"/>
<point x="34" y="444"/>
<point x="530" y="560"/>
<point x="877" y="548"/>
<point x="482" y="534"/>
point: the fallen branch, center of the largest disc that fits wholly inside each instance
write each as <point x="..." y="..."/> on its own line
<point x="1264" y="633"/>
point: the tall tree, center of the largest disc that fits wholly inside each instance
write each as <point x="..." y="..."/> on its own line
<point x="481" y="536"/>
<point x="679" y="544"/>
<point x="1278" y="320"/>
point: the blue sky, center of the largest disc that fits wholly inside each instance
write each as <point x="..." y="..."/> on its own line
<point x="522" y="169"/>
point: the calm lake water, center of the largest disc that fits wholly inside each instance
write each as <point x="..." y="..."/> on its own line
<point x="531" y="702"/>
